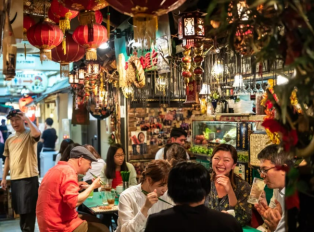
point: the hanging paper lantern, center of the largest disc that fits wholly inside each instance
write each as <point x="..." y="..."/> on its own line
<point x="63" y="14"/>
<point x="45" y="36"/>
<point x="74" y="52"/>
<point x="145" y="15"/>
<point x="52" y="17"/>
<point x="28" y="22"/>
<point x="81" y="35"/>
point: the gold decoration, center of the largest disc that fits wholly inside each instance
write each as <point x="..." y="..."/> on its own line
<point x="145" y="29"/>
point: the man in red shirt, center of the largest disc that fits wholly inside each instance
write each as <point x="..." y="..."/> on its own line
<point x="58" y="195"/>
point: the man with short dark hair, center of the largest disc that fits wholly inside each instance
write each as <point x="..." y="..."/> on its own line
<point x="21" y="160"/>
<point x="274" y="213"/>
<point x="188" y="185"/>
<point x="58" y="195"/>
<point x="4" y="130"/>
<point x="177" y="135"/>
<point x="49" y="136"/>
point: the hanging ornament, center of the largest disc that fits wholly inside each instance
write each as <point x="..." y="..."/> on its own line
<point x="186" y="64"/>
<point x="74" y="52"/>
<point x="52" y="17"/>
<point x="63" y="14"/>
<point x="243" y="39"/>
<point x="9" y="51"/>
<point x="45" y="36"/>
<point x="198" y="60"/>
<point x="80" y="36"/>
<point x="145" y="14"/>
<point x="28" y="22"/>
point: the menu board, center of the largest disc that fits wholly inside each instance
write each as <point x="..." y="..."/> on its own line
<point x="257" y="143"/>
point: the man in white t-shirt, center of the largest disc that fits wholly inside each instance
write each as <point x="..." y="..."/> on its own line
<point x="274" y="213"/>
<point x="177" y="135"/>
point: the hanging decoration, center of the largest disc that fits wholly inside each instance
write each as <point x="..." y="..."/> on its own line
<point x="52" y="17"/>
<point x="28" y="22"/>
<point x="145" y="14"/>
<point x="186" y="64"/>
<point x="80" y="36"/>
<point x="63" y="14"/>
<point x="45" y="36"/>
<point x="198" y="60"/>
<point x="191" y="93"/>
<point x="121" y="70"/>
<point x="74" y="52"/>
<point x="9" y="51"/>
<point x="135" y="72"/>
<point x="84" y="5"/>
<point x="98" y="17"/>
<point x="191" y="27"/>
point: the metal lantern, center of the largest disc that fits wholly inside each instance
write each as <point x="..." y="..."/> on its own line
<point x="82" y="71"/>
<point x="93" y="68"/>
<point x="191" y="27"/>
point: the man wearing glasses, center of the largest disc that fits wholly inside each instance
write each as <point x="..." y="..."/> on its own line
<point x="273" y="214"/>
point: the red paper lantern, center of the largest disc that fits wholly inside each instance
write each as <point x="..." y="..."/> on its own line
<point x="63" y="14"/>
<point x="74" y="52"/>
<point x="80" y="5"/>
<point x="80" y="36"/>
<point x="98" y="17"/>
<point x="145" y="15"/>
<point x="28" y="22"/>
<point x="52" y="17"/>
<point x="45" y="36"/>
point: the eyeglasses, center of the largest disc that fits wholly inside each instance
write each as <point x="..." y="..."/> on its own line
<point x="264" y="171"/>
<point x="119" y="155"/>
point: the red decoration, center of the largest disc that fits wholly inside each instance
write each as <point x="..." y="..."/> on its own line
<point x="191" y="93"/>
<point x="74" y="52"/>
<point x="98" y="17"/>
<point x="52" y="17"/>
<point x="80" y="36"/>
<point x="28" y="22"/>
<point x="45" y="36"/>
<point x="80" y="5"/>
<point x="63" y="14"/>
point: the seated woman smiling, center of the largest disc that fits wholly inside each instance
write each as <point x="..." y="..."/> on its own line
<point x="229" y="191"/>
<point x="137" y="202"/>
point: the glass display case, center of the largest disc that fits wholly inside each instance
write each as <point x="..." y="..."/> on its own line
<point x="213" y="133"/>
<point x="208" y="134"/>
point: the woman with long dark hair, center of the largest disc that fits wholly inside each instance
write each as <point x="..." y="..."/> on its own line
<point x="63" y="146"/>
<point x="115" y="163"/>
<point x="228" y="190"/>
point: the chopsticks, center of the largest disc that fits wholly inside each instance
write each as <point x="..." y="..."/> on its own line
<point x="99" y="179"/>
<point x="143" y="191"/>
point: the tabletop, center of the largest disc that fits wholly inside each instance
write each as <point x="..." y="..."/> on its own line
<point x="93" y="205"/>
<point x="249" y="229"/>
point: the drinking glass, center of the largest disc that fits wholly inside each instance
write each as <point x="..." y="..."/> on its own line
<point x="110" y="197"/>
<point x="256" y="190"/>
<point x="103" y="197"/>
<point x="91" y="194"/>
<point x="108" y="185"/>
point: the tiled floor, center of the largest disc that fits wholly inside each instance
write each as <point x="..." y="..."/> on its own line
<point x="12" y="226"/>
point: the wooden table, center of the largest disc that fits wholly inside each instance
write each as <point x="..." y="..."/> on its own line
<point x="92" y="204"/>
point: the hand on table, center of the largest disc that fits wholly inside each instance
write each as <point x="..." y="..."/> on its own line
<point x="224" y="181"/>
<point x="4" y="184"/>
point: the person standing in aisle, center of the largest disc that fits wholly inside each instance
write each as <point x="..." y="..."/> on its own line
<point x="4" y="130"/>
<point x="49" y="136"/>
<point x="177" y="135"/>
<point x="21" y="160"/>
